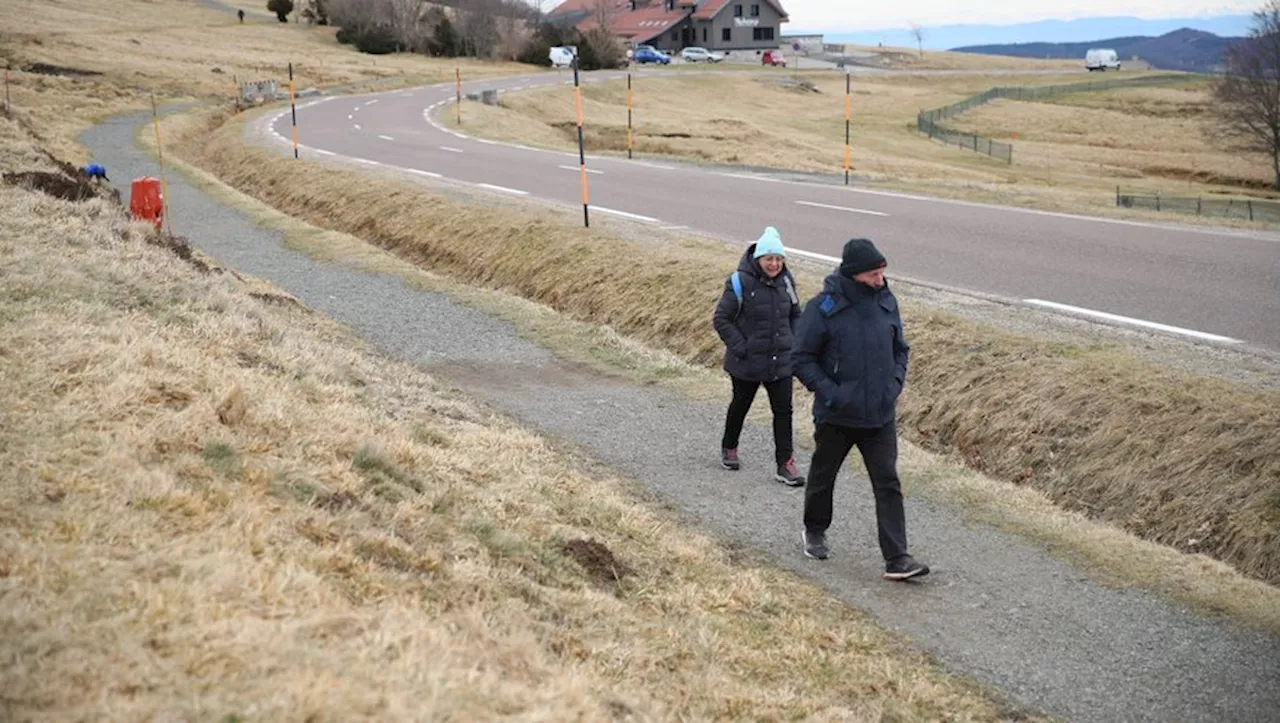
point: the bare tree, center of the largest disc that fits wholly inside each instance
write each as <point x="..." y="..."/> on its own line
<point x="917" y="32"/>
<point x="478" y="27"/>
<point x="604" y="14"/>
<point x="405" y="17"/>
<point x="1248" y="94"/>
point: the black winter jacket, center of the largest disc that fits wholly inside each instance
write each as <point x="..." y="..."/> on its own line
<point x="851" y="353"/>
<point x="758" y="339"/>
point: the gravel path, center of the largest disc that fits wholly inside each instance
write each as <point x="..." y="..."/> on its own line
<point x="998" y="608"/>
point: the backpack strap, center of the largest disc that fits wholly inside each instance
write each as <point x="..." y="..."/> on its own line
<point x="736" y="281"/>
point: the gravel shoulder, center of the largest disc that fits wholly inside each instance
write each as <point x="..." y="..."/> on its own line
<point x="998" y="608"/>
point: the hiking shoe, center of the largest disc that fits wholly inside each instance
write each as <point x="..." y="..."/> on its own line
<point x="788" y="474"/>
<point x="815" y="544"/>
<point x="903" y="567"/>
<point x="729" y="459"/>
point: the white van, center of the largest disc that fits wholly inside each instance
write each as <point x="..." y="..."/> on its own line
<point x="562" y="55"/>
<point x="1101" y="59"/>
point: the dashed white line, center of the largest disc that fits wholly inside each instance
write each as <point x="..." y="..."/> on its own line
<point x="357" y="126"/>
<point x="351" y="116"/>
<point x="1131" y="321"/>
<point x="674" y="228"/>
<point x="577" y="168"/>
<point x="366" y="161"/>
<point x="386" y="138"/>
<point x="486" y="142"/>
<point x="812" y="255"/>
<point x="375" y="100"/>
<point x="451" y="149"/>
<point x="323" y="152"/>
<point x="503" y="189"/>
<point x="428" y="174"/>
<point x="846" y="209"/>
<point x="624" y="214"/>
<point x="750" y="177"/>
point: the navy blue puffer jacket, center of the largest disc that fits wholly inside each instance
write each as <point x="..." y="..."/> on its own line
<point x="851" y="353"/>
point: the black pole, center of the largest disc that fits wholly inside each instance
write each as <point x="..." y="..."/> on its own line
<point x="293" y="107"/>
<point x="629" y="141"/>
<point x="582" y="151"/>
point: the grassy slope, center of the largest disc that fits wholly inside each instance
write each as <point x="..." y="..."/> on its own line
<point x="1011" y="407"/>
<point x="218" y="505"/>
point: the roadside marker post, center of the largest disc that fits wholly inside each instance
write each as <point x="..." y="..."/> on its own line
<point x="164" y="179"/>
<point x="630" y="142"/>
<point x="457" y="74"/>
<point x="293" y="107"/>
<point x="8" y="107"/>
<point x="582" y="151"/>
<point x="848" y="121"/>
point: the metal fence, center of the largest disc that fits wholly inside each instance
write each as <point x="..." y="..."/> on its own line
<point x="1242" y="208"/>
<point x="927" y="121"/>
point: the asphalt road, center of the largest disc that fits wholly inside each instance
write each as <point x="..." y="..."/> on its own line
<point x="1219" y="285"/>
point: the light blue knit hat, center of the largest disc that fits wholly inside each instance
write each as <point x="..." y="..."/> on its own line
<point x="770" y="244"/>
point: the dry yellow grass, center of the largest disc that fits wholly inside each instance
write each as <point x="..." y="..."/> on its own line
<point x="218" y="505"/>
<point x="176" y="49"/>
<point x="912" y="59"/>
<point x="964" y="376"/>
<point x="1113" y="556"/>
<point x="1064" y="156"/>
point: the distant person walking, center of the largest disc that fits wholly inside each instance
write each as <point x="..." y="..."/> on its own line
<point x="754" y="318"/>
<point x="240" y="14"/>
<point x="852" y="354"/>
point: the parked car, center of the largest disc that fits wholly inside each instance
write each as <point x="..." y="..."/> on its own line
<point x="646" y="54"/>
<point x="700" y="55"/>
<point x="1101" y="59"/>
<point x="562" y="56"/>
<point x="773" y="57"/>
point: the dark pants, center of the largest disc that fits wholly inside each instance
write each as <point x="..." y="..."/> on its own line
<point x="879" y="449"/>
<point x="744" y="393"/>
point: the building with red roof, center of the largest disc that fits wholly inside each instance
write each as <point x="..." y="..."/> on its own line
<point x="672" y="25"/>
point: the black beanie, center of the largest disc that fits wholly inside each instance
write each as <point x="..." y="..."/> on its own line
<point x="860" y="255"/>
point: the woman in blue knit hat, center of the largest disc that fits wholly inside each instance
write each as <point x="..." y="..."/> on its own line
<point x="754" y="318"/>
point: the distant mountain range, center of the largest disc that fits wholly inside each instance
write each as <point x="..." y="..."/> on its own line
<point x="1183" y="49"/>
<point x="1083" y="30"/>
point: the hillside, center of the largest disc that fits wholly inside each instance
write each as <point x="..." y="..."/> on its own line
<point x="1184" y="49"/>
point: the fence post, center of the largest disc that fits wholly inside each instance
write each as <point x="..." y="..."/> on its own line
<point x="1198" y="205"/>
<point x="1157" y="203"/>
<point x="1251" y="209"/>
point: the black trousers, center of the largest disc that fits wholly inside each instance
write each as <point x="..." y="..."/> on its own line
<point x="744" y="393"/>
<point x="879" y="449"/>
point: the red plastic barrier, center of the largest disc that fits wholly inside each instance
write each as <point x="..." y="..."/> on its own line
<point x="146" y="202"/>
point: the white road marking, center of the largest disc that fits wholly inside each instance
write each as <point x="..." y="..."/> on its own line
<point x="357" y="126"/>
<point x="812" y="255"/>
<point x="451" y="149"/>
<point x="484" y="141"/>
<point x="428" y="174"/>
<point x="674" y="228"/>
<point x="386" y="138"/>
<point x="624" y="214"/>
<point x="503" y="189"/>
<point x="1131" y="321"/>
<point x="750" y="177"/>
<point x="576" y="168"/>
<point x="366" y="161"/>
<point x="324" y="153"/>
<point x="658" y="166"/>
<point x="375" y="100"/>
<point x="846" y="209"/>
<point x="351" y="116"/>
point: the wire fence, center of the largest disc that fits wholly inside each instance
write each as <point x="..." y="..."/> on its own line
<point x="927" y="121"/>
<point x="1248" y="209"/>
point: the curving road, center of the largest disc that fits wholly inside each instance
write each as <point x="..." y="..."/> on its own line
<point x="1216" y="285"/>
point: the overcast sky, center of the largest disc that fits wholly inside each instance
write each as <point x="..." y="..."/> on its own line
<point x="850" y="16"/>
